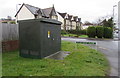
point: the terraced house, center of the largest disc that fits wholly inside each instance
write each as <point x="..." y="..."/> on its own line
<point x="69" y="22"/>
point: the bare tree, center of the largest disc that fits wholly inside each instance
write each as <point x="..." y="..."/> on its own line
<point x="100" y="19"/>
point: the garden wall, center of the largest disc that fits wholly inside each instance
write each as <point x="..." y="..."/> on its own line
<point x="11" y="45"/>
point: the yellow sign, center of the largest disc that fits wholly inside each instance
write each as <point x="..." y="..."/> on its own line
<point x="48" y="34"/>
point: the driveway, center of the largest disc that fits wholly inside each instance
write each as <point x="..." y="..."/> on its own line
<point x="108" y="47"/>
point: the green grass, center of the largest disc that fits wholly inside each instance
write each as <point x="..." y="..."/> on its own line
<point x="69" y="35"/>
<point x="74" y="35"/>
<point x="83" y="36"/>
<point x="82" y="61"/>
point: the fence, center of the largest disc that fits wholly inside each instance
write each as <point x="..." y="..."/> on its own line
<point x="9" y="31"/>
<point x="9" y="36"/>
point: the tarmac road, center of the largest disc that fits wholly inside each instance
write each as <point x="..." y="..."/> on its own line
<point x="108" y="47"/>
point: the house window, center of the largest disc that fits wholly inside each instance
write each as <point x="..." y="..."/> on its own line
<point x="54" y="17"/>
<point x="39" y="16"/>
<point x="67" y="22"/>
<point x="68" y="28"/>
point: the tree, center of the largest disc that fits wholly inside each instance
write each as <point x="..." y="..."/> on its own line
<point x="108" y="23"/>
<point x="105" y="23"/>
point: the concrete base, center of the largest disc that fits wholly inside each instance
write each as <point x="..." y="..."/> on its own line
<point x="59" y="55"/>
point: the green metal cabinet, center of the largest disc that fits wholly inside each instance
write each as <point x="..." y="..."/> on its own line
<point x="39" y="38"/>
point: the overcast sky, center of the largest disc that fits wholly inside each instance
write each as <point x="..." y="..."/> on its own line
<point x="88" y="10"/>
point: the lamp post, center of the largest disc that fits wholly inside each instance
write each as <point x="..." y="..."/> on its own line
<point x="17" y="11"/>
<point x="113" y="12"/>
<point x="113" y="19"/>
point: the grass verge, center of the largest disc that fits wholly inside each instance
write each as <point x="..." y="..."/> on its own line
<point x="74" y="35"/>
<point x="83" y="36"/>
<point x="82" y="61"/>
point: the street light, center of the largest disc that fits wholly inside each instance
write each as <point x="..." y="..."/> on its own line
<point x="113" y="10"/>
<point x="17" y="11"/>
<point x="113" y="19"/>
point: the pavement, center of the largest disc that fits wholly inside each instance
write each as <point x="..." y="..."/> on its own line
<point x="107" y="47"/>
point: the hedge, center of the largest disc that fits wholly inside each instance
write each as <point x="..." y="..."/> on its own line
<point x="91" y="32"/>
<point x="78" y="32"/>
<point x="63" y="32"/>
<point x="108" y="32"/>
<point x="99" y="31"/>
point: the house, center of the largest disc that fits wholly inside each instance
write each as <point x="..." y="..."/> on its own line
<point x="61" y="17"/>
<point x="27" y="11"/>
<point x="7" y="20"/>
<point x="85" y="26"/>
<point x="69" y="22"/>
<point x="79" y="24"/>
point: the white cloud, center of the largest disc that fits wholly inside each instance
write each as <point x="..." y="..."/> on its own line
<point x="86" y="9"/>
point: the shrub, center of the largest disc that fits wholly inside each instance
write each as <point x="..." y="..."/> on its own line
<point x="4" y="22"/>
<point x="91" y="32"/>
<point x="83" y="32"/>
<point x="77" y="32"/>
<point x="63" y="32"/>
<point x="72" y="31"/>
<point x="99" y="31"/>
<point x="108" y="32"/>
<point x="12" y="22"/>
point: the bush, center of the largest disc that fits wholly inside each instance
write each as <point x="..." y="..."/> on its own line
<point x="83" y="32"/>
<point x="63" y="32"/>
<point x="77" y="32"/>
<point x="99" y="31"/>
<point x="72" y="31"/>
<point x="4" y="22"/>
<point x="12" y="22"/>
<point x="108" y="32"/>
<point x="91" y="32"/>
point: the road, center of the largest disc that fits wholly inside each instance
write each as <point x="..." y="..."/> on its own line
<point x="108" y="47"/>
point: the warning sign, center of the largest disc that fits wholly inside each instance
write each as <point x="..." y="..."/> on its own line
<point x="48" y="34"/>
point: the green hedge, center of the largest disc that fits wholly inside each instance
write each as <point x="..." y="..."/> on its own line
<point x="78" y="32"/>
<point x="83" y="32"/>
<point x="63" y="32"/>
<point x="91" y="32"/>
<point x="99" y="31"/>
<point x="108" y="32"/>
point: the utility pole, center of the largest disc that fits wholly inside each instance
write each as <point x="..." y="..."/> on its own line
<point x="113" y="19"/>
<point x="113" y="13"/>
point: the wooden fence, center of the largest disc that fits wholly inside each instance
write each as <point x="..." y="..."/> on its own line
<point x="9" y="36"/>
<point x="9" y="31"/>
